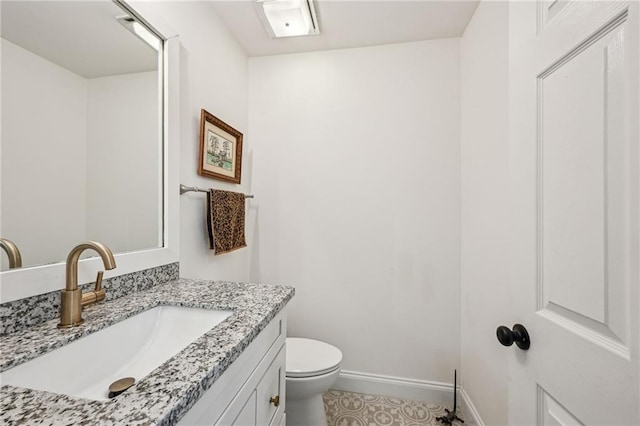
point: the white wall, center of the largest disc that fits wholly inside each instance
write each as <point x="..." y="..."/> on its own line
<point x="213" y="74"/>
<point x="43" y="193"/>
<point x="123" y="161"/>
<point x="357" y="173"/>
<point x="485" y="210"/>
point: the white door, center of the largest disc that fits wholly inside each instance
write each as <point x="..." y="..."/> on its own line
<point x="574" y="113"/>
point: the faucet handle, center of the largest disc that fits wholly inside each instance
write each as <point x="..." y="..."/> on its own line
<point x="95" y="295"/>
<point x="99" y="281"/>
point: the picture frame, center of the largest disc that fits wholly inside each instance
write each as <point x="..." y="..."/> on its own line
<point x="220" y="154"/>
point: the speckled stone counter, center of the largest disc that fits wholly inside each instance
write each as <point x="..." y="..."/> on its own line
<point x="167" y="393"/>
<point x="21" y="314"/>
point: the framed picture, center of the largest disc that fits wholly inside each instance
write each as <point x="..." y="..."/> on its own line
<point x="220" y="149"/>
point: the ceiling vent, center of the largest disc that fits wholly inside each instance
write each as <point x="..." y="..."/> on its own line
<point x="139" y="31"/>
<point x="288" y="18"/>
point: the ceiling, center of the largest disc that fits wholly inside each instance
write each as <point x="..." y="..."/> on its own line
<point x="351" y="23"/>
<point x="85" y="38"/>
<point x="80" y="36"/>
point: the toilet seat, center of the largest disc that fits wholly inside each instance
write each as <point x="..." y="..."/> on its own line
<point x="309" y="358"/>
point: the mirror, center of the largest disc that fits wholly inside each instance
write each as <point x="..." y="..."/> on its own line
<point x="82" y="130"/>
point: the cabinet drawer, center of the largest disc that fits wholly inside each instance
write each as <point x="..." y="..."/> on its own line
<point x="271" y="391"/>
<point x="276" y="332"/>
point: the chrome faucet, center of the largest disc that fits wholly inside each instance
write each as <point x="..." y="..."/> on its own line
<point x="15" y="259"/>
<point x="72" y="300"/>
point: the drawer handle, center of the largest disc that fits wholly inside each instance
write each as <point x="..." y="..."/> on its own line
<point x="275" y="400"/>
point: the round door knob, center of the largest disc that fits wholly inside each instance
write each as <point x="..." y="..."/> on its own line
<point x="518" y="335"/>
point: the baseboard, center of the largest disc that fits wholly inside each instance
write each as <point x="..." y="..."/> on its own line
<point x="469" y="411"/>
<point x="401" y="387"/>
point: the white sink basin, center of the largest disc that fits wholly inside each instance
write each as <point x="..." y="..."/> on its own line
<point x="131" y="348"/>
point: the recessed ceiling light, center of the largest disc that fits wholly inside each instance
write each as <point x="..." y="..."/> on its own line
<point x="288" y="18"/>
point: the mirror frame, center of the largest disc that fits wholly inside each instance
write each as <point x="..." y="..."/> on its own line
<point x="17" y="284"/>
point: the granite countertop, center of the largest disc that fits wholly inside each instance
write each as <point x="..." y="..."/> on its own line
<point x="168" y="392"/>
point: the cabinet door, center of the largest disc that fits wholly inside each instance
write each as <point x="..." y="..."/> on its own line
<point x="247" y="416"/>
<point x="271" y="391"/>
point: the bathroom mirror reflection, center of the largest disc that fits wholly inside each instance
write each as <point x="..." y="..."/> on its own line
<point x="81" y="129"/>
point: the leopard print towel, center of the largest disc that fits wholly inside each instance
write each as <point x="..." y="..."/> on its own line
<point x="225" y="221"/>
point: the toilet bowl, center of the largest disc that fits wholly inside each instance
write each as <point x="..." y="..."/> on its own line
<point x="312" y="367"/>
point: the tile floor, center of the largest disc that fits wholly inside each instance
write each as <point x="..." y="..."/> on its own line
<point x="356" y="409"/>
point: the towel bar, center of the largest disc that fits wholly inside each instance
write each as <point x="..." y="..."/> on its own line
<point x="184" y="188"/>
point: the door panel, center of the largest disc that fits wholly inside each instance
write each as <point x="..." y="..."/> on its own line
<point x="581" y="197"/>
<point x="549" y="9"/>
<point x="247" y="416"/>
<point x="551" y="412"/>
<point x="575" y="195"/>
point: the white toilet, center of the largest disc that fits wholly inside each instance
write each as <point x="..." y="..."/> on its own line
<point x="312" y="367"/>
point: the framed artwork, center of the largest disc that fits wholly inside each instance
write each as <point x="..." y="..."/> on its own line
<point x="220" y="149"/>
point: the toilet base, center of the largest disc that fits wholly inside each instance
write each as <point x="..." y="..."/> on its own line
<point x="306" y="412"/>
<point x="312" y="368"/>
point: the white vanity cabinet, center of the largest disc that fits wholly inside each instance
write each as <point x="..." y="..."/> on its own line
<point x="251" y="392"/>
